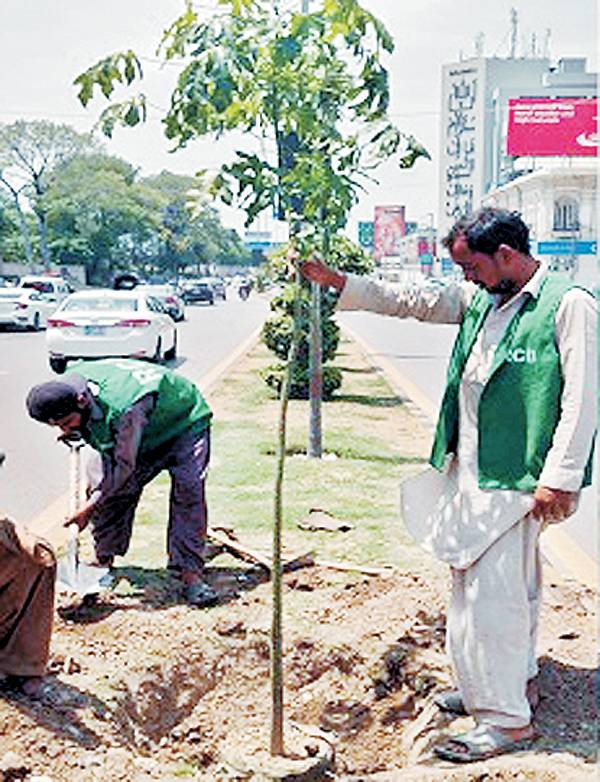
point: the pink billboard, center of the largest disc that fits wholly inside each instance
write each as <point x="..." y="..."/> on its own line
<point x="553" y="126"/>
<point x="388" y="230"/>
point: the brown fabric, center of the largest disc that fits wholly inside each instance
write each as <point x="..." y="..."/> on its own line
<point x="27" y="577"/>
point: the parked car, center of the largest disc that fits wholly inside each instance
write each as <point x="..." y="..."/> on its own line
<point x="24" y="308"/>
<point x="104" y="323"/>
<point x="53" y="289"/>
<point x="197" y="290"/>
<point x="171" y="301"/>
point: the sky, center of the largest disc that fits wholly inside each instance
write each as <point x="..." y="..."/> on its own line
<point x="45" y="44"/>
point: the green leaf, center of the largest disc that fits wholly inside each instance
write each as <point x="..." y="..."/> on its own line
<point x="414" y="151"/>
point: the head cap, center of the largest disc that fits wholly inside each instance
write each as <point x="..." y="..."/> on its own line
<point x="55" y="399"/>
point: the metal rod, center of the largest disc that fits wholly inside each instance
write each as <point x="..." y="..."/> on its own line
<point x="315" y="447"/>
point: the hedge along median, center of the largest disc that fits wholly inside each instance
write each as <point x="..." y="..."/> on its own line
<point x="371" y="441"/>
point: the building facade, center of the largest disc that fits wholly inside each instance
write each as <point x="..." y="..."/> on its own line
<point x="559" y="203"/>
<point x="474" y="120"/>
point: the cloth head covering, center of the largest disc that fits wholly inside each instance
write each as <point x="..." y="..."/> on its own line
<point x="56" y="398"/>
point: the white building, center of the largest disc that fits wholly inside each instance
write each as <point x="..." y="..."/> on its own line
<point x="475" y="95"/>
<point x="559" y="204"/>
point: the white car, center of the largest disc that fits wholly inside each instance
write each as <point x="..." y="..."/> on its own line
<point x="105" y="323"/>
<point x="53" y="289"/>
<point x="167" y="294"/>
<point x="25" y="308"/>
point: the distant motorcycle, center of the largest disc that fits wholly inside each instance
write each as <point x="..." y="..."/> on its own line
<point x="244" y="291"/>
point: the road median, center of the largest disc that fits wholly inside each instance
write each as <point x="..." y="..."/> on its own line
<point x="146" y="687"/>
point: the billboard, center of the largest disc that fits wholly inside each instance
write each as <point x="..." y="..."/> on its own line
<point x="553" y="126"/>
<point x="388" y="230"/>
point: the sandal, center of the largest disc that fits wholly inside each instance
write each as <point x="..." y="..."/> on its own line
<point x="200" y="594"/>
<point x="450" y="701"/>
<point x="481" y="743"/>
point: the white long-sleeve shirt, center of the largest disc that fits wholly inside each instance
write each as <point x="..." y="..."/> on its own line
<point x="450" y="513"/>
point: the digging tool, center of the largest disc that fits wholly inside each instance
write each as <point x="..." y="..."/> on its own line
<point x="73" y="575"/>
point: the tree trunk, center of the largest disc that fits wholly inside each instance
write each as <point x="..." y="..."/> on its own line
<point x="277" y="747"/>
<point x="23" y="227"/>
<point x="315" y="446"/>
<point x="43" y="231"/>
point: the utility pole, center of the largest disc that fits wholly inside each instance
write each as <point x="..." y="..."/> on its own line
<point x="514" y="24"/>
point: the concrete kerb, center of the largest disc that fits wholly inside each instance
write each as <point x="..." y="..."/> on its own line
<point x="561" y="553"/>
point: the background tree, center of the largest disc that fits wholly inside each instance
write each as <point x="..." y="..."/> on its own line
<point x="29" y="151"/>
<point x="101" y="214"/>
<point x="11" y="234"/>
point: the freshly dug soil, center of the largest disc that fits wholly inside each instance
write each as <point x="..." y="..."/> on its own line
<point x="144" y="688"/>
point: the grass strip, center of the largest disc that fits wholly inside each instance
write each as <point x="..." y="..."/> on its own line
<point x="371" y="441"/>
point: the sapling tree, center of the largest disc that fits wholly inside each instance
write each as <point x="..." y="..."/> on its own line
<point x="312" y="87"/>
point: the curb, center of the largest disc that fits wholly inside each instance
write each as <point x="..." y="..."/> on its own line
<point x="565" y="557"/>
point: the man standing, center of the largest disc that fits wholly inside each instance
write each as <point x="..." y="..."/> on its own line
<point x="141" y="419"/>
<point x="27" y="576"/>
<point x="513" y="445"/>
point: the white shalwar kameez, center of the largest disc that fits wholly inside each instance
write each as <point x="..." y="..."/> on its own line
<point x="486" y="536"/>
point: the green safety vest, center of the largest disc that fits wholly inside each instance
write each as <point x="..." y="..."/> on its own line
<point x="122" y="382"/>
<point x="519" y="407"/>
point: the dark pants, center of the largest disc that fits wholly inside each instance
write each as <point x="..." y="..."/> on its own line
<point x="186" y="459"/>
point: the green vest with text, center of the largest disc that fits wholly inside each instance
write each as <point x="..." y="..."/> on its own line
<point x="519" y="406"/>
<point x="122" y="382"/>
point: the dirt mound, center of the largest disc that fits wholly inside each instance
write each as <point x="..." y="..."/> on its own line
<point x="144" y="688"/>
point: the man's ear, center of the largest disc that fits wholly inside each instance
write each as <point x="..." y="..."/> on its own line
<point x="506" y="255"/>
<point x="82" y="401"/>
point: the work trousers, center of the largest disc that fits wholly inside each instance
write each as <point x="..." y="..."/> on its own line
<point x="186" y="459"/>
<point x="492" y="626"/>
<point x="27" y="577"/>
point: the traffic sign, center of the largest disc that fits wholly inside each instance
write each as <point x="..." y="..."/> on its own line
<point x="567" y="247"/>
<point x="447" y="265"/>
<point x="366" y="234"/>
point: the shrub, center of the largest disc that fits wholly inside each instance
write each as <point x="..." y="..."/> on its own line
<point x="277" y="330"/>
<point x="300" y="384"/>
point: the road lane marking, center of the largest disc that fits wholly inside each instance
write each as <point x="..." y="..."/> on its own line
<point x="566" y="556"/>
<point x="398" y="381"/>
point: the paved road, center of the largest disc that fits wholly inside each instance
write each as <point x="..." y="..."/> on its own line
<point x="36" y="472"/>
<point x="420" y="352"/>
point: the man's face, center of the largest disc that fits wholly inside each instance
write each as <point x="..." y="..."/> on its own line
<point x="73" y="424"/>
<point x="491" y="272"/>
<point x="70" y="425"/>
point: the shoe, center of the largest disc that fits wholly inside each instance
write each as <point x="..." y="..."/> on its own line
<point x="483" y="742"/>
<point x="200" y="594"/>
<point x="30" y="686"/>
